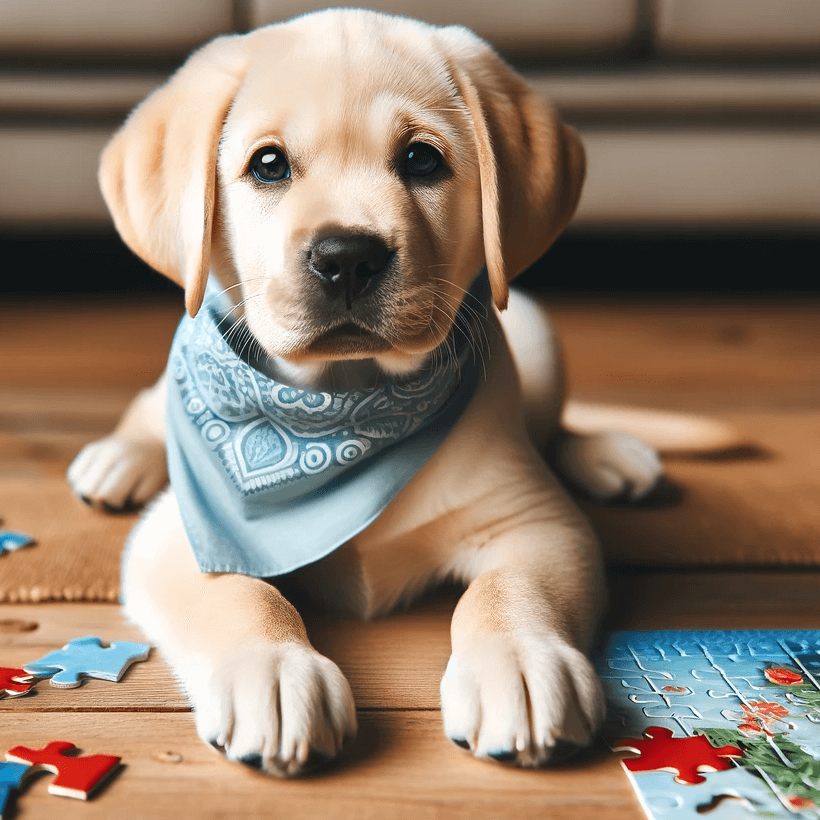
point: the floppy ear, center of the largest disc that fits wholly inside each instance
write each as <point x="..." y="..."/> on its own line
<point x="158" y="172"/>
<point x="532" y="166"/>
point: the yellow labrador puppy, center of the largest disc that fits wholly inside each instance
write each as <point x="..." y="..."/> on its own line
<point x="341" y="179"/>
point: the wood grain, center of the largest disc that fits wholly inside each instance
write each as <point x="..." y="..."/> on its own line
<point x="77" y="343"/>
<point x="68" y="370"/>
<point x="400" y="766"/>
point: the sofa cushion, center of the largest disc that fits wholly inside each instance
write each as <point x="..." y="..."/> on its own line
<point x="42" y="27"/>
<point x="670" y="177"/>
<point x="67" y="199"/>
<point x="76" y="93"/>
<point x="515" y="26"/>
<point x="637" y="177"/>
<point x="663" y="93"/>
<point x="732" y="27"/>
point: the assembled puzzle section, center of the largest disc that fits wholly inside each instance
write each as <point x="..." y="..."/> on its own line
<point x="722" y="725"/>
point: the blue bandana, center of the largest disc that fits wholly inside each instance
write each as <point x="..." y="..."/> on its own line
<point x="269" y="477"/>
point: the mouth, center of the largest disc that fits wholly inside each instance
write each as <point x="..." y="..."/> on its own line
<point x="348" y="340"/>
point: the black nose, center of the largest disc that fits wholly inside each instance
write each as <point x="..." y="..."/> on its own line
<point x="349" y="264"/>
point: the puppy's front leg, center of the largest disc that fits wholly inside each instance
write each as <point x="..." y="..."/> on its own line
<point x="127" y="467"/>
<point x="260" y="691"/>
<point x="518" y="686"/>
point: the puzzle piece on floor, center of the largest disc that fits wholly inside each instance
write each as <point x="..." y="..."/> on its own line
<point x="686" y="756"/>
<point x="87" y="657"/>
<point x="11" y="541"/>
<point x="11" y="774"/>
<point x="76" y="776"/>
<point x="14" y="682"/>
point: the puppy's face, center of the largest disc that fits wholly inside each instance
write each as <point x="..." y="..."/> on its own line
<point x="345" y="174"/>
<point x="349" y="194"/>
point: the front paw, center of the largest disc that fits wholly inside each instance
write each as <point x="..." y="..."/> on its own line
<point x="119" y="472"/>
<point x="279" y="707"/>
<point x="525" y="699"/>
<point x="609" y="465"/>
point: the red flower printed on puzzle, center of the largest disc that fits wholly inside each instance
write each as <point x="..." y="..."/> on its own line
<point x="782" y="676"/>
<point x="760" y="717"/>
<point x="800" y="803"/>
<point x="766" y="709"/>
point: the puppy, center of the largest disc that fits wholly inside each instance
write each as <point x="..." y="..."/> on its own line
<point x="341" y="179"/>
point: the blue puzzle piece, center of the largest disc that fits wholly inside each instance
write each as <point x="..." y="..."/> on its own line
<point x="10" y="776"/>
<point x="87" y="657"/>
<point x="10" y="541"/>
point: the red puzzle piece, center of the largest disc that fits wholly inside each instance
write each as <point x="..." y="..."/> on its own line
<point x="76" y="776"/>
<point x="685" y="756"/>
<point x="15" y="682"/>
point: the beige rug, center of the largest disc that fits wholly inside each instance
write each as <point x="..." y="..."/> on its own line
<point x="760" y="506"/>
<point x="77" y="552"/>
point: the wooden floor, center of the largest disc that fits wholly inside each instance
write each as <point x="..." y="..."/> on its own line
<point x="730" y="357"/>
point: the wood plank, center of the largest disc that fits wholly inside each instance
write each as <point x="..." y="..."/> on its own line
<point x="400" y="766"/>
<point x="660" y="344"/>
<point x="74" y="343"/>
<point x="146" y="686"/>
<point x="613" y="344"/>
<point x="755" y="506"/>
<point x="784" y="599"/>
<point x="738" y="358"/>
<point x="396" y="662"/>
<point x="747" y="599"/>
<point x="28" y="632"/>
<point x="52" y="625"/>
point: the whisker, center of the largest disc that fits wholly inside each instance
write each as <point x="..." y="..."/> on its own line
<point x="227" y="316"/>
<point x="479" y="314"/>
<point x="224" y="291"/>
<point x="479" y="348"/>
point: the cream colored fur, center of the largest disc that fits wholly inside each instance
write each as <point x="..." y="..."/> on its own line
<point x="341" y="92"/>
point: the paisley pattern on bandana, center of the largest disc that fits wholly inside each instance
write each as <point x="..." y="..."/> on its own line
<point x="267" y="434"/>
<point x="269" y="477"/>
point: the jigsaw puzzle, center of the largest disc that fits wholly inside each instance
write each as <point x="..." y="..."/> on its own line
<point x="685" y="757"/>
<point x="11" y="774"/>
<point x="720" y="725"/>
<point x="76" y="776"/>
<point x="14" y="682"/>
<point x="10" y="541"/>
<point x="87" y="657"/>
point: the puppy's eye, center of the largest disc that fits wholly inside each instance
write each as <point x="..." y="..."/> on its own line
<point x="270" y="164"/>
<point x="421" y="160"/>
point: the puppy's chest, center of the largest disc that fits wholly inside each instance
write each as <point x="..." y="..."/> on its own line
<point x="384" y="566"/>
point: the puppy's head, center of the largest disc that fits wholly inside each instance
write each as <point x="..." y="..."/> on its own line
<point x="345" y="174"/>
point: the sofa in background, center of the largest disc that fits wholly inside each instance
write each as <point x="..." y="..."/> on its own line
<point x="696" y="114"/>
